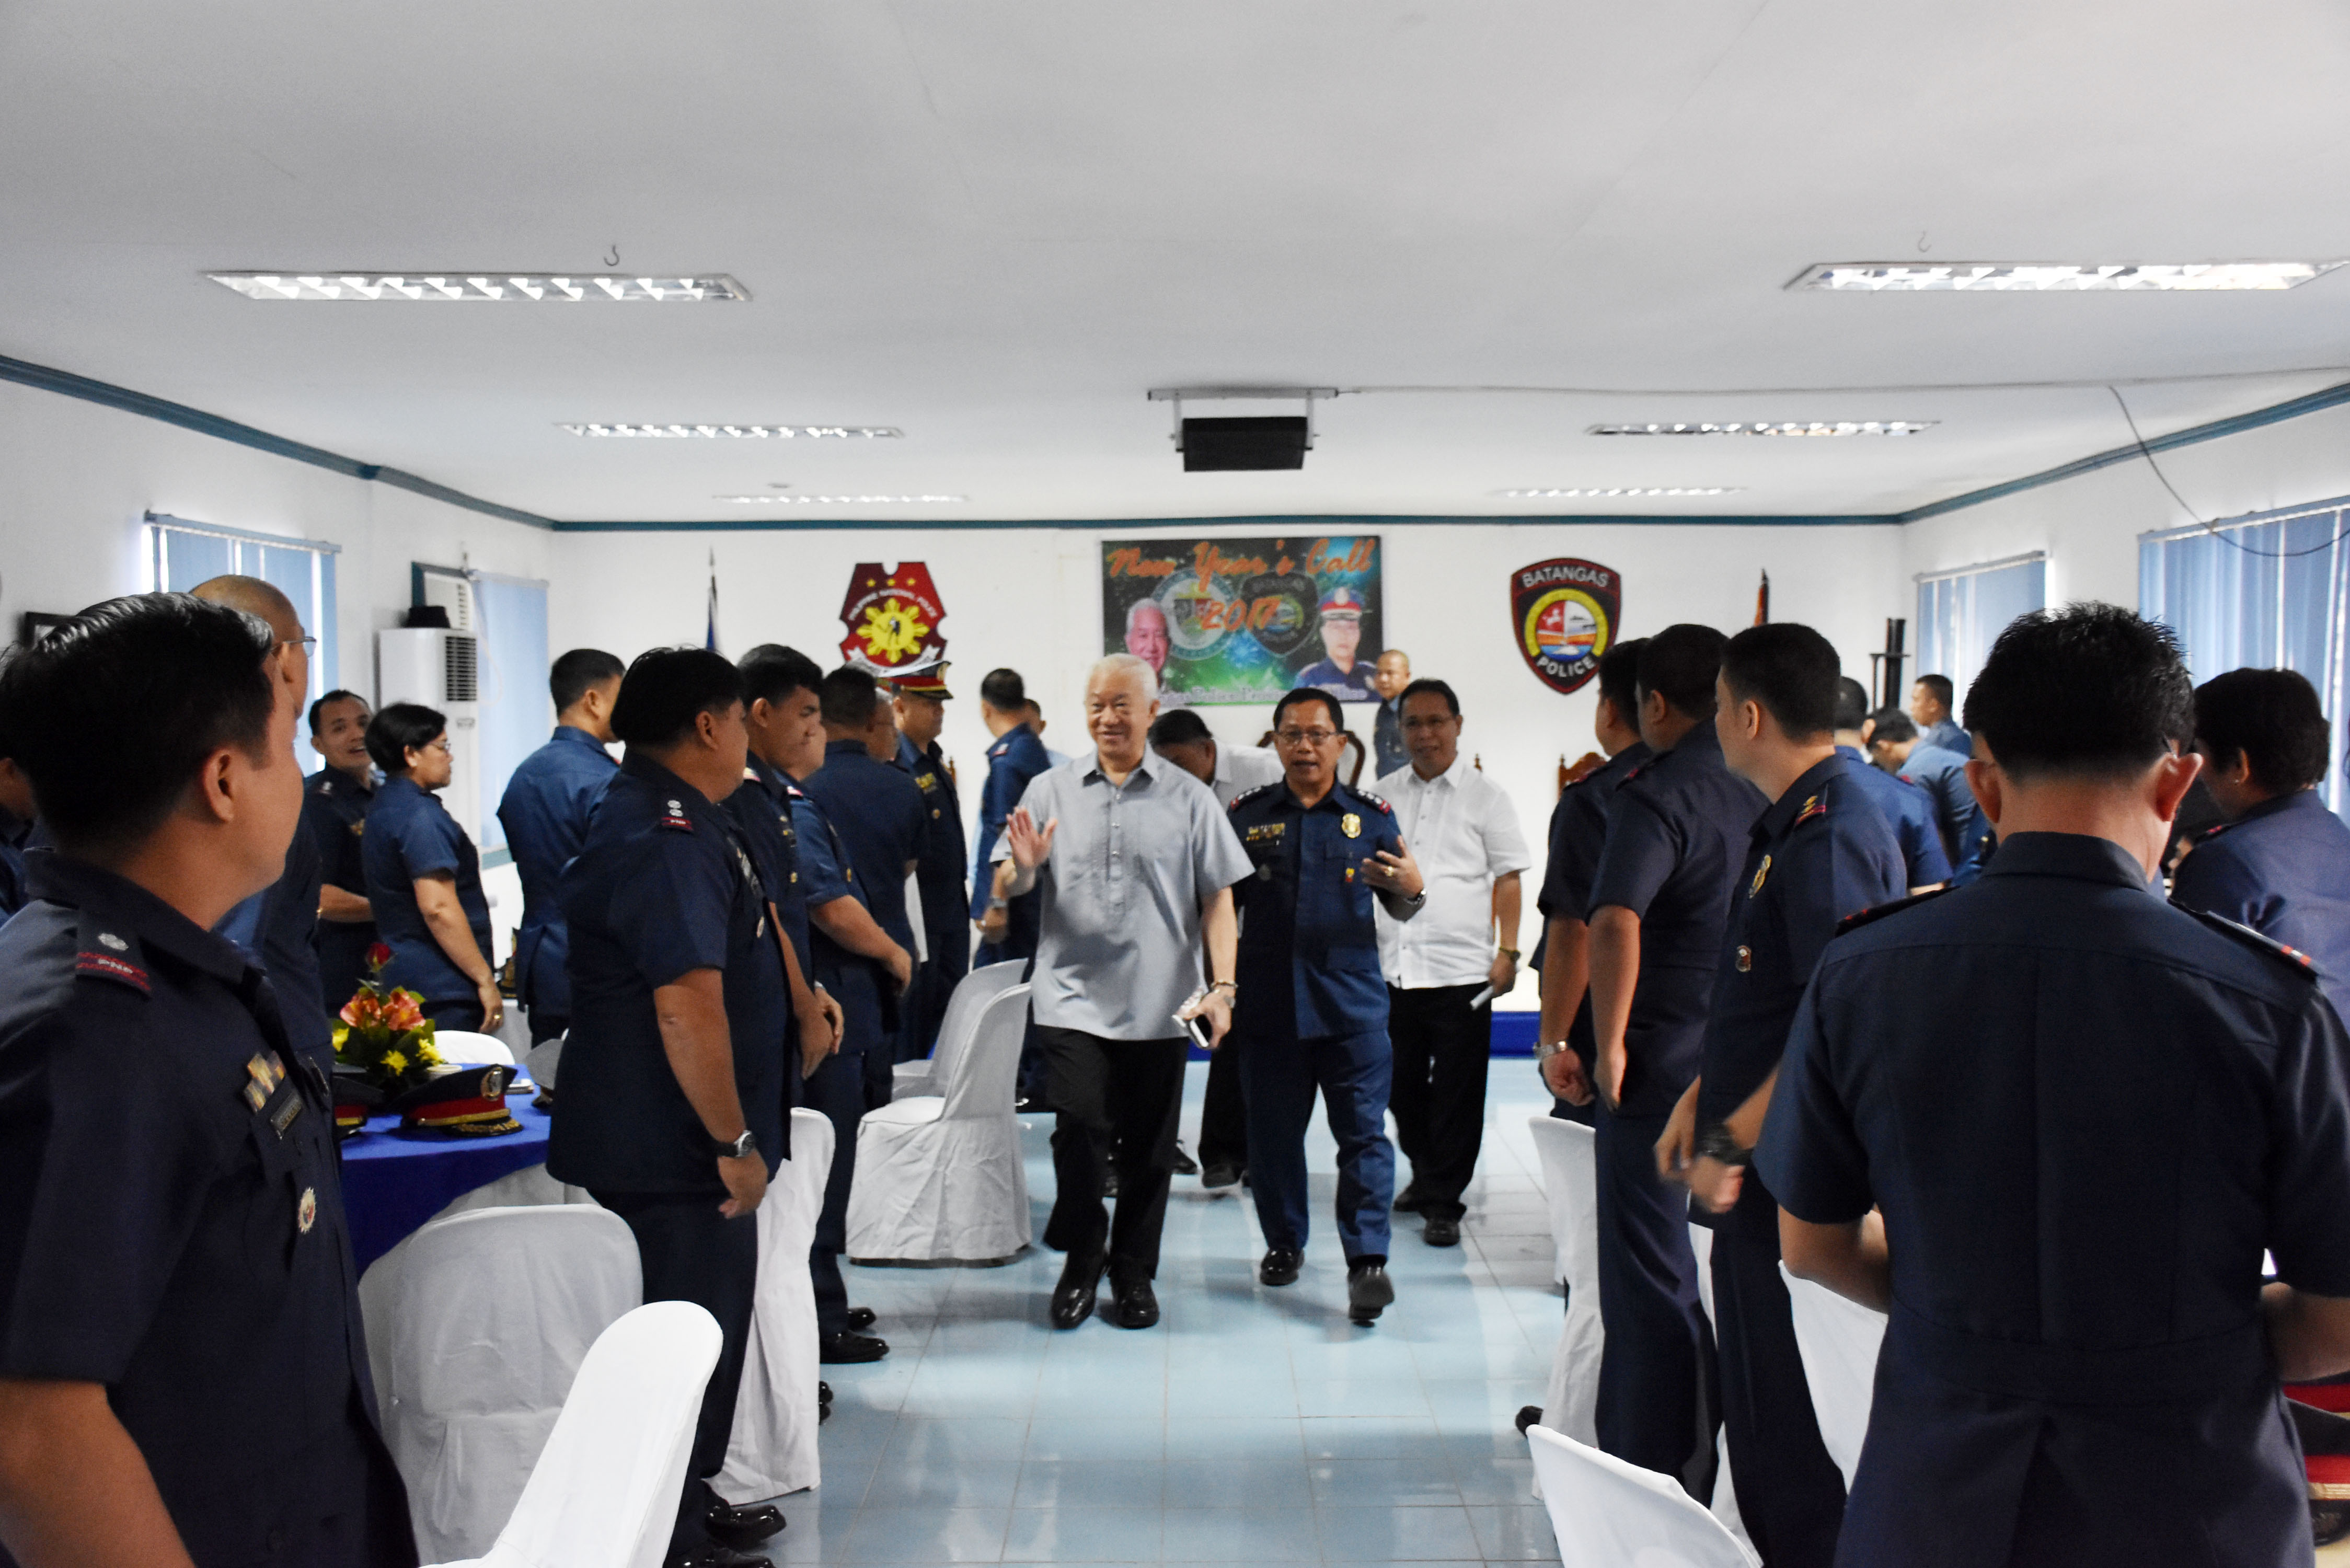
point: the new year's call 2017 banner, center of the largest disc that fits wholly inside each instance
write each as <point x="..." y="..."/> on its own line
<point x="1244" y="620"/>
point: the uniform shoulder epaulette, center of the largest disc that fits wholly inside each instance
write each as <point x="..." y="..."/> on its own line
<point x="1816" y="807"/>
<point x="2291" y="957"/>
<point x="792" y="792"/>
<point x="2213" y="831"/>
<point x="1377" y="802"/>
<point x="101" y="954"/>
<point x="1249" y="794"/>
<point x="1870" y="916"/>
<point x="674" y="816"/>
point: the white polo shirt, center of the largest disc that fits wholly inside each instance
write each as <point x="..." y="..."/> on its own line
<point x="1240" y="769"/>
<point x="1464" y="833"/>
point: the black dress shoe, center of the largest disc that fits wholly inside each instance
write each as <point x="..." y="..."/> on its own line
<point x="741" y="1527"/>
<point x="1184" y="1164"/>
<point x="1073" y="1298"/>
<point x="1032" y="1106"/>
<point x="1410" y="1199"/>
<point x="1441" y="1232"/>
<point x="1369" y="1292"/>
<point x="848" y="1349"/>
<point x="1279" y="1267"/>
<point x="1217" y="1175"/>
<point x="1528" y="1416"/>
<point x="862" y="1318"/>
<point x="1133" y="1303"/>
<point x="716" y="1554"/>
<point x="822" y="1402"/>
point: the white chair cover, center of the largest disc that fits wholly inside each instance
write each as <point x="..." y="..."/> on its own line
<point x="773" y="1449"/>
<point x="1609" y="1514"/>
<point x="545" y="1057"/>
<point x="1570" y="1179"/>
<point x="604" y="1492"/>
<point x="972" y="994"/>
<point x="940" y="1178"/>
<point x="472" y="1050"/>
<point x="1839" y="1340"/>
<point x="491" y="1314"/>
<point x="1725" y="1494"/>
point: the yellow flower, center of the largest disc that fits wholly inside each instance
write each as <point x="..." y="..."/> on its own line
<point x="393" y="1061"/>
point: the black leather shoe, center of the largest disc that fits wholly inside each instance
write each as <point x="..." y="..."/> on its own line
<point x="1032" y="1106"/>
<point x="1217" y="1175"/>
<point x="1369" y="1292"/>
<point x="1279" y="1267"/>
<point x="1133" y="1303"/>
<point x="848" y="1349"/>
<point x="1528" y="1416"/>
<point x="1184" y="1164"/>
<point x="741" y="1527"/>
<point x="822" y="1402"/>
<point x="1441" y="1232"/>
<point x="1073" y="1298"/>
<point x="716" y="1554"/>
<point x="1408" y="1200"/>
<point x="862" y="1318"/>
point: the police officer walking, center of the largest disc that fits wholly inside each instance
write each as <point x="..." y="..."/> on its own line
<point x="918" y="704"/>
<point x="335" y="802"/>
<point x="182" y="1376"/>
<point x="2062" y="1191"/>
<point x="1820" y="852"/>
<point x="544" y="812"/>
<point x="1312" y="1008"/>
<point x="671" y="1113"/>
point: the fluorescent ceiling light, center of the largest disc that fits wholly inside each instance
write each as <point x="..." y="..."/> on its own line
<point x="1775" y="428"/>
<point x="839" y="499"/>
<point x="1614" y="491"/>
<point x="746" y="432"/>
<point x="529" y="287"/>
<point x="1900" y="277"/>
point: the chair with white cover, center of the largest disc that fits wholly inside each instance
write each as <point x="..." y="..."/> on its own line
<point x="604" y="1492"/>
<point x="772" y="1447"/>
<point x="544" y="1058"/>
<point x="939" y="1178"/>
<point x="472" y="1050"/>
<point x="1609" y="1514"/>
<point x="1839" y="1340"/>
<point x="1570" y="1186"/>
<point x="491" y="1315"/>
<point x="972" y="994"/>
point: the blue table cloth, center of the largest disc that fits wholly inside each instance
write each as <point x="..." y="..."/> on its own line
<point x="393" y="1182"/>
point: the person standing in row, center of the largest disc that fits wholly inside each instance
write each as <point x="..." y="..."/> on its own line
<point x="1312" y="1009"/>
<point x="182" y="1376"/>
<point x="1908" y="809"/>
<point x="1821" y="851"/>
<point x="335" y="802"/>
<point x="544" y="812"/>
<point x="1894" y="745"/>
<point x="1677" y="834"/>
<point x="918" y="704"/>
<point x="424" y="876"/>
<point x="1390" y="673"/>
<point x="672" y="1114"/>
<point x="1134" y="867"/>
<point x="1008" y="930"/>
<point x="1932" y="702"/>
<point x="2062" y="1191"/>
<point x="1462" y="943"/>
<point x="18" y="812"/>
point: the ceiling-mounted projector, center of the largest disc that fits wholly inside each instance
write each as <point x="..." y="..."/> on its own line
<point x="1226" y="445"/>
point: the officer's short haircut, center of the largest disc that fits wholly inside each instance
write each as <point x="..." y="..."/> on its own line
<point x="1791" y="670"/>
<point x="193" y="671"/>
<point x="1179" y="727"/>
<point x="667" y="688"/>
<point x="1944" y="692"/>
<point x="1430" y="687"/>
<point x="1680" y="662"/>
<point x="403" y="727"/>
<point x="1892" y="724"/>
<point x="1852" y="703"/>
<point x="2090" y="691"/>
<point x="1619" y="679"/>
<point x="1003" y="690"/>
<point x="318" y="709"/>
<point x="850" y="698"/>
<point x="2273" y="718"/>
<point x="580" y="671"/>
<point x="1311" y="695"/>
<point x="772" y="672"/>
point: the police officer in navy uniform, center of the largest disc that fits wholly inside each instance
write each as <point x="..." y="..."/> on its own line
<point x="335" y="802"/>
<point x="671" y="1113"/>
<point x="17" y="813"/>
<point x="1823" y="850"/>
<point x="2061" y="1190"/>
<point x="545" y="810"/>
<point x="918" y="704"/>
<point x="424" y="876"/>
<point x="2279" y="863"/>
<point x="1676" y="836"/>
<point x="183" y="1374"/>
<point x="1017" y="756"/>
<point x="1311" y="1008"/>
<point x="1908" y="809"/>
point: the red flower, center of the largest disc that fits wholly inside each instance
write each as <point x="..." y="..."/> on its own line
<point x="403" y="1011"/>
<point x="362" y="1011"/>
<point x="377" y="955"/>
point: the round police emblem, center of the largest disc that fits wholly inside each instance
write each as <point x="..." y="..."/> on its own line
<point x="306" y="1213"/>
<point x="109" y="940"/>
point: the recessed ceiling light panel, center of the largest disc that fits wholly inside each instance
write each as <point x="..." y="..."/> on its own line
<point x="1626" y="492"/>
<point x="1772" y="428"/>
<point x="742" y="433"/>
<point x="840" y="500"/>
<point x="510" y="288"/>
<point x="2022" y="277"/>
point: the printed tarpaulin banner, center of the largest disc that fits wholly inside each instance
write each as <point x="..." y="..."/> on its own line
<point x="1244" y="620"/>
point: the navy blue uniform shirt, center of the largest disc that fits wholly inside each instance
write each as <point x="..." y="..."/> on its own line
<point x="1946" y="736"/>
<point x="1310" y="951"/>
<point x="278" y="926"/>
<point x="411" y="835"/>
<point x="766" y="796"/>
<point x="14" y="831"/>
<point x="1352" y="685"/>
<point x="334" y="814"/>
<point x="547" y="803"/>
<point x="662" y="887"/>
<point x="171" y="1224"/>
<point x="1016" y="757"/>
<point x="2283" y="869"/>
<point x="944" y="863"/>
<point x="1677" y="834"/>
<point x="1388" y="750"/>
<point x="879" y="813"/>
<point x="1578" y="828"/>
<point x="1909" y="811"/>
<point x="2079" y="1169"/>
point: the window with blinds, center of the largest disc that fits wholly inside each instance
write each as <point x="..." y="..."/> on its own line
<point x="181" y="553"/>
<point x="1962" y="611"/>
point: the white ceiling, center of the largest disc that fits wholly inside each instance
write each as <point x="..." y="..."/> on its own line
<point x="996" y="225"/>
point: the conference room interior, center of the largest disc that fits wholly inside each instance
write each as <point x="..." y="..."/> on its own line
<point x="531" y="328"/>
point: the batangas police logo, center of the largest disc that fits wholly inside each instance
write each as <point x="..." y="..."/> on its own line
<point x="1565" y="612"/>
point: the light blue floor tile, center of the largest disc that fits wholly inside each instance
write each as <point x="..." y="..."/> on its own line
<point x="1085" y="1438"/>
<point x="1372" y="1438"/>
<point x="947" y="1481"/>
<point x="1520" y="1532"/>
<point x="1238" y="1483"/>
<point x="1397" y="1535"/>
<point x="1090" y="1483"/>
<point x="983" y="1437"/>
<point x="1372" y="1394"/>
<point x="1265" y="1391"/>
<point x="1494" y="1480"/>
<point x="1085" y="1534"/>
<point x="1241" y="1535"/>
<point x="1241" y="1437"/>
<point x="1384" y="1483"/>
<point x="927" y="1535"/>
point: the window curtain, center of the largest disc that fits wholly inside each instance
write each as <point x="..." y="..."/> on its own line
<point x="182" y="555"/>
<point x="1961" y="613"/>
<point x="517" y="714"/>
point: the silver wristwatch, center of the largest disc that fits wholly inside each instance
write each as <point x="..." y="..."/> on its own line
<point x="742" y="1146"/>
<point x="1545" y="1050"/>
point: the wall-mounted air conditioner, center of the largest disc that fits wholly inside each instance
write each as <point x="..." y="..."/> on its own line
<point x="440" y="668"/>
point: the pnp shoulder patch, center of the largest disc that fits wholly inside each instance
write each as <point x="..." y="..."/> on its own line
<point x="1870" y="916"/>
<point x="2291" y="957"/>
<point x="110" y="957"/>
<point x="673" y="817"/>
<point x="1249" y="794"/>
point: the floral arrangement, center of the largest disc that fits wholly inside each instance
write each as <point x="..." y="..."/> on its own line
<point x="384" y="1034"/>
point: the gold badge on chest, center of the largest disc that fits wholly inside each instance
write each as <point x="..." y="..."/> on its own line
<point x="1351" y="826"/>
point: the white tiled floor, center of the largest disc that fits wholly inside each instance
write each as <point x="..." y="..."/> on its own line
<point x="1252" y="1426"/>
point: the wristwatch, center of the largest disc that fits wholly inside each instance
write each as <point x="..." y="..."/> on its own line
<point x="1716" y="1143"/>
<point x="741" y="1149"/>
<point x="1545" y="1050"/>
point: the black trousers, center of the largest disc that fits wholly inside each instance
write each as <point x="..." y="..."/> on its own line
<point x="691" y="1252"/>
<point x="545" y="1025"/>
<point x="1441" y="1048"/>
<point x="1118" y="1102"/>
<point x="1223" y="1113"/>
<point x="1789" y="1492"/>
<point x="842" y="1090"/>
<point x="1657" y="1397"/>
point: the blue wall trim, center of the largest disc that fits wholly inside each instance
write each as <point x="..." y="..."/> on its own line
<point x="1319" y="523"/>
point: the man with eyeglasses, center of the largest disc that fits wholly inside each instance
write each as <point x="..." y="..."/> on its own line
<point x="1312" y="1009"/>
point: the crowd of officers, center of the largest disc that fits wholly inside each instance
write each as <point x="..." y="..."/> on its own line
<point x="2049" y="1121"/>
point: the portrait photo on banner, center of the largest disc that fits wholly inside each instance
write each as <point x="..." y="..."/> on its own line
<point x="1244" y="620"/>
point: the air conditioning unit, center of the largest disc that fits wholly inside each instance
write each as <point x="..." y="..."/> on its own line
<point x="440" y="669"/>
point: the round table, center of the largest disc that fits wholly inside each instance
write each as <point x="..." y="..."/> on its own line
<point x="394" y="1182"/>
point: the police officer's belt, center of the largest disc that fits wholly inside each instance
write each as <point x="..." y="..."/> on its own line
<point x="2176" y="1372"/>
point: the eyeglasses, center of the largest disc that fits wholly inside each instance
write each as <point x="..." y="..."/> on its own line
<point x="441" y="745"/>
<point x="1305" y="737"/>
<point x="304" y="643"/>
